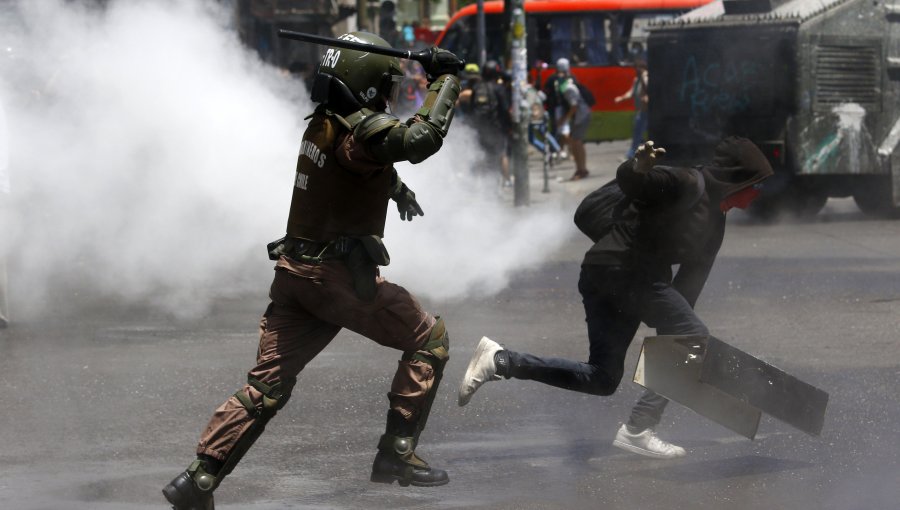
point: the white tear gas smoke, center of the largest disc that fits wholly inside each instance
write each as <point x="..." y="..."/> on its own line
<point x="152" y="158"/>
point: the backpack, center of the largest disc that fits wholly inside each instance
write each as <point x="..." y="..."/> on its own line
<point x="603" y="209"/>
<point x="484" y="103"/>
<point x="586" y="94"/>
<point x="608" y="207"/>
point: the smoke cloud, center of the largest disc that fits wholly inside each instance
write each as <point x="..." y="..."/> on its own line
<point x="152" y="158"/>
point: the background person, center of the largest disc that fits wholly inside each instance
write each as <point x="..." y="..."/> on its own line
<point x="486" y="103"/>
<point x="539" y="134"/>
<point x="413" y="89"/>
<point x="573" y="116"/>
<point x="639" y="92"/>
<point x="469" y="77"/>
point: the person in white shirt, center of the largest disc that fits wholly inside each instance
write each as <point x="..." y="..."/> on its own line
<point x="573" y="116"/>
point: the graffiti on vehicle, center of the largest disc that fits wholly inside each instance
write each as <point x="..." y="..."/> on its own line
<point x="843" y="143"/>
<point x="718" y="88"/>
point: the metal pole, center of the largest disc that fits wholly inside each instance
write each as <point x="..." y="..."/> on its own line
<point x="480" y="34"/>
<point x="352" y="45"/>
<point x="424" y="57"/>
<point x="520" y="115"/>
<point x="362" y="14"/>
<point x="546" y="157"/>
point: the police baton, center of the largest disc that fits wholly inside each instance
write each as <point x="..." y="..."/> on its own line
<point x="428" y="58"/>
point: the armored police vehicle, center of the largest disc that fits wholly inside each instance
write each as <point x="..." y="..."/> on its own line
<point x="813" y="82"/>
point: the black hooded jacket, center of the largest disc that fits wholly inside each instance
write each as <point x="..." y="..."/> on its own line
<point x="679" y="220"/>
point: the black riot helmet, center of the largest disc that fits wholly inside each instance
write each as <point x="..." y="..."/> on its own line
<point x="491" y="70"/>
<point x="348" y="80"/>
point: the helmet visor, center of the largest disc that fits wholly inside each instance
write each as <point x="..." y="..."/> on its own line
<point x="393" y="92"/>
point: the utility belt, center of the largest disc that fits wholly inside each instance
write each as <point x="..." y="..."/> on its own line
<point x="310" y="252"/>
<point x="362" y="254"/>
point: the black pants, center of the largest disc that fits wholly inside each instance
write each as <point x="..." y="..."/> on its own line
<point x="616" y="301"/>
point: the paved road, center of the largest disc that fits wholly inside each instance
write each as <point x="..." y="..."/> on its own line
<point x="102" y="407"/>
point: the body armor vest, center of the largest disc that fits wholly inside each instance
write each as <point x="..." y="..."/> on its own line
<point x="329" y="200"/>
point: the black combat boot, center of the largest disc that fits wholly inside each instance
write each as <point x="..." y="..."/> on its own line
<point x="396" y="459"/>
<point x="192" y="489"/>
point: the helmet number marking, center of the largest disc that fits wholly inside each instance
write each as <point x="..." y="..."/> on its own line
<point x="331" y="58"/>
<point x="351" y="37"/>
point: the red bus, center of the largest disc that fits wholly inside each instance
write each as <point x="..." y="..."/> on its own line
<point x="599" y="37"/>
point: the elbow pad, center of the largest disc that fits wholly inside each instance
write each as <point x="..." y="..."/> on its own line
<point x="440" y="102"/>
<point x="420" y="141"/>
<point x="413" y="143"/>
<point x="423" y="134"/>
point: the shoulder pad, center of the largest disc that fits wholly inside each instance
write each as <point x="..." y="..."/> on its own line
<point x="341" y="120"/>
<point x="350" y="121"/>
<point x="356" y="117"/>
<point x="372" y="124"/>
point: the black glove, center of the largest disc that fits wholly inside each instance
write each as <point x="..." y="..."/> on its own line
<point x="442" y="62"/>
<point x="406" y="203"/>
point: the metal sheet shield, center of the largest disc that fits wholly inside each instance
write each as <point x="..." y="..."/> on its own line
<point x="671" y="365"/>
<point x="727" y="385"/>
<point x="763" y="386"/>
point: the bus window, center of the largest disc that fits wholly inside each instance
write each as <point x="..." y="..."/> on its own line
<point x="585" y="38"/>
<point x="629" y="34"/>
<point x="600" y="39"/>
<point x="462" y="40"/>
<point x="620" y="24"/>
<point x="580" y="37"/>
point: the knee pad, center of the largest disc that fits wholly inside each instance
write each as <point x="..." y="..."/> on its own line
<point x="274" y="397"/>
<point x="436" y="349"/>
<point x="435" y="352"/>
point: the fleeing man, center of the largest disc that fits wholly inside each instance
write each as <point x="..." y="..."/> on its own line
<point x="655" y="217"/>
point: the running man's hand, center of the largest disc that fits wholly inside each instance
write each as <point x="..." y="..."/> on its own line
<point x="646" y="156"/>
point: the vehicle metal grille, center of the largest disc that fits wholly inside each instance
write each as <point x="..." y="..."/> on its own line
<point x="847" y="74"/>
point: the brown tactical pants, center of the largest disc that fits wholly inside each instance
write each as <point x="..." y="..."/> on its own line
<point x="310" y="304"/>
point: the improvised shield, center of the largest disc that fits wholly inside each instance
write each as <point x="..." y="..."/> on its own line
<point x="727" y="385"/>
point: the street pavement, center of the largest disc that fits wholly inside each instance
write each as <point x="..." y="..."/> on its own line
<point x="102" y="408"/>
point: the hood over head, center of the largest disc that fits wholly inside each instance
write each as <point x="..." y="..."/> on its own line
<point x="738" y="164"/>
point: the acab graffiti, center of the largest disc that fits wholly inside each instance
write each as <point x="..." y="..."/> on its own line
<point x="717" y="88"/>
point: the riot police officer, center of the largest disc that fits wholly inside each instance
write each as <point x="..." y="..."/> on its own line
<point x="326" y="275"/>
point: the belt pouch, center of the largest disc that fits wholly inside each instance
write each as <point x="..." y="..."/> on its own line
<point x="363" y="271"/>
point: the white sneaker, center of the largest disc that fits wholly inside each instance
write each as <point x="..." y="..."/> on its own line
<point x="646" y="443"/>
<point x="481" y="369"/>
